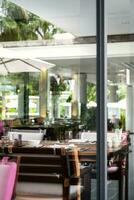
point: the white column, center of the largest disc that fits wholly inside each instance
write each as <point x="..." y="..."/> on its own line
<point x="79" y="94"/>
<point x="21" y="102"/>
<point x="83" y="88"/>
<point x="83" y="97"/>
<point x="43" y="88"/>
<point x="75" y="112"/>
<point x="113" y="93"/>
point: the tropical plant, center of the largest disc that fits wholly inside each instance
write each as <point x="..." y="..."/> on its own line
<point x="18" y="79"/>
<point x="19" y="24"/>
<point x="121" y="93"/>
<point x="57" y="85"/>
<point x="91" y="92"/>
<point x="122" y="120"/>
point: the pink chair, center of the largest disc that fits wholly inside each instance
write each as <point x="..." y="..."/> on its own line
<point x="8" y="171"/>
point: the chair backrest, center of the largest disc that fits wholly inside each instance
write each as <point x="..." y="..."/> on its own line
<point x="50" y="166"/>
<point x="87" y="135"/>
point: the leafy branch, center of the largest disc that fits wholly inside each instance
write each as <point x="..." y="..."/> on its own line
<point x="57" y="85"/>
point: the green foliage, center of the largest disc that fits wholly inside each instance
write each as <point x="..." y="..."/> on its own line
<point x="121" y="92"/>
<point x="89" y="120"/>
<point x="9" y="29"/>
<point x="91" y="92"/>
<point x="122" y="120"/>
<point x="32" y="110"/>
<point x="69" y="99"/>
<point x="57" y="86"/>
<point x="12" y="110"/>
<point x="62" y="111"/>
<point x="19" y="24"/>
<point x="34" y="84"/>
<point x="18" y="80"/>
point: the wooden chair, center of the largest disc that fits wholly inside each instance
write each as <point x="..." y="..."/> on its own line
<point x="47" y="174"/>
<point x="117" y="171"/>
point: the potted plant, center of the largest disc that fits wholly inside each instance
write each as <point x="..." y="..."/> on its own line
<point x="57" y="86"/>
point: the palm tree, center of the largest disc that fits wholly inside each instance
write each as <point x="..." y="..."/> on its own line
<point x="19" y="24"/>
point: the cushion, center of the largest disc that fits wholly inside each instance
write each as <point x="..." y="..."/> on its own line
<point x="38" y="188"/>
<point x="41" y="189"/>
<point x="113" y="169"/>
<point x="90" y="136"/>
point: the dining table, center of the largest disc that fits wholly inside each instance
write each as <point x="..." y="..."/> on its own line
<point x="87" y="152"/>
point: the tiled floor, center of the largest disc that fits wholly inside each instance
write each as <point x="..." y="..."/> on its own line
<point x="112" y="190"/>
<point x="131" y="169"/>
<point x="113" y="185"/>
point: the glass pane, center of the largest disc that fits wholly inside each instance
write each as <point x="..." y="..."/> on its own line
<point x="59" y="94"/>
<point x="119" y="95"/>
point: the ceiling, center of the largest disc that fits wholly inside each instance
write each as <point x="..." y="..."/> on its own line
<point x="81" y="58"/>
<point x="78" y="17"/>
<point x="116" y="68"/>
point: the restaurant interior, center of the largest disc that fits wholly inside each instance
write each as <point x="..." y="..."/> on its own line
<point x="48" y="100"/>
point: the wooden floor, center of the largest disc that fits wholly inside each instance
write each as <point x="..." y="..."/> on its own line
<point x="112" y="190"/>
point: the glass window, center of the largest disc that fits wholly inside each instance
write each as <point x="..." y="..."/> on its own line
<point x="120" y="80"/>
